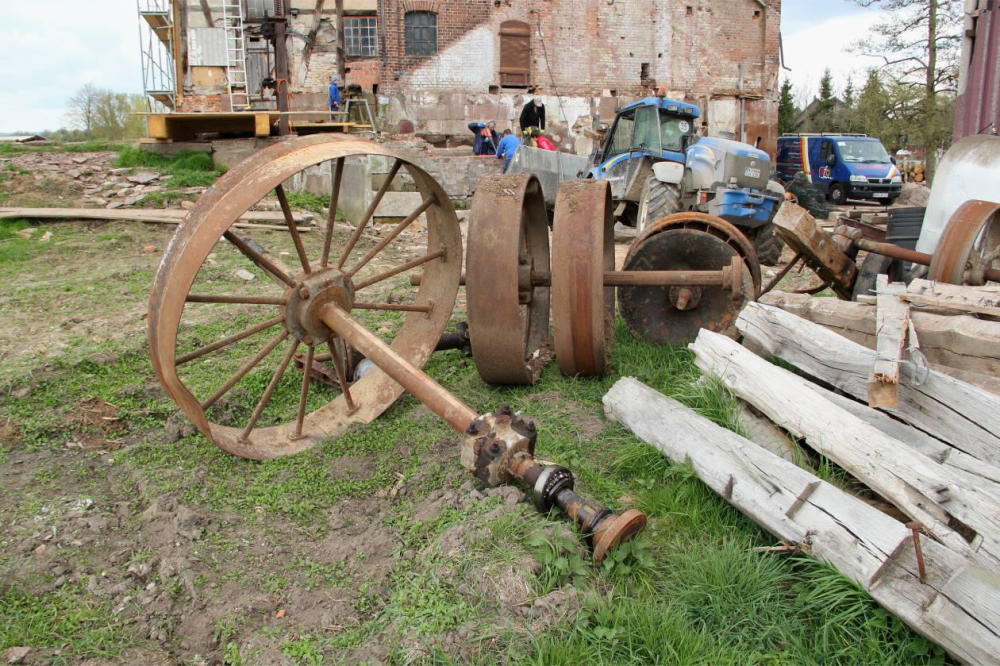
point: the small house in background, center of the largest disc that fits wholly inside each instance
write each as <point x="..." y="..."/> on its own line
<point x="436" y="65"/>
<point x="23" y="138"/>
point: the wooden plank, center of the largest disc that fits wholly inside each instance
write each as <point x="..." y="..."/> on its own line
<point x="797" y="507"/>
<point x="963" y="342"/>
<point x="892" y="322"/>
<point x="140" y="214"/>
<point x="798" y="229"/>
<point x="962" y="415"/>
<point x="981" y="300"/>
<point x="920" y="487"/>
<point x="762" y="432"/>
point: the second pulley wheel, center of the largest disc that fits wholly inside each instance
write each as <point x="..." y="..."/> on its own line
<point x="508" y="241"/>
<point x="583" y="248"/>
<point x="686" y="242"/>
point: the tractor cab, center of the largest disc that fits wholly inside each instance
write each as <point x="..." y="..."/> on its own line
<point x="654" y="127"/>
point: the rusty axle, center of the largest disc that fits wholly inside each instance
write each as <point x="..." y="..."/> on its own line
<point x="912" y="256"/>
<point x="721" y="278"/>
<point x="497" y="448"/>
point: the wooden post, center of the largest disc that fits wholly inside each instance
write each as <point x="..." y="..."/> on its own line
<point x="892" y="320"/>
<point x="281" y="72"/>
<point x="175" y="29"/>
<point x="341" y="44"/>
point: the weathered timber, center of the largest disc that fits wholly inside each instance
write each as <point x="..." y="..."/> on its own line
<point x="165" y="215"/>
<point x="798" y="228"/>
<point x="981" y="300"/>
<point x="762" y="432"/>
<point x="956" y="607"/>
<point x="922" y="488"/>
<point x="959" y="341"/>
<point x="955" y="412"/>
<point x="891" y="326"/>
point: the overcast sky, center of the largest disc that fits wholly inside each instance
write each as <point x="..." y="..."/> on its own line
<point x="46" y="55"/>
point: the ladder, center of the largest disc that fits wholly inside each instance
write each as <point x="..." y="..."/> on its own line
<point x="236" y="68"/>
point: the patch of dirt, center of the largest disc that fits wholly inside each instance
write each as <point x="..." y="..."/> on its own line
<point x="590" y="424"/>
<point x="96" y="425"/>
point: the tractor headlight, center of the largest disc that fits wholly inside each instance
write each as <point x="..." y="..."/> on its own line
<point x="896" y="180"/>
<point x="859" y="179"/>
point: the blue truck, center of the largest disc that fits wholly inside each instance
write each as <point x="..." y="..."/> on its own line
<point x="657" y="164"/>
<point x="842" y="166"/>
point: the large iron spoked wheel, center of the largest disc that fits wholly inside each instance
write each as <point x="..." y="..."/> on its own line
<point x="338" y="267"/>
<point x="687" y="242"/>
<point x="508" y="241"/>
<point x="970" y="242"/>
<point x="583" y="248"/>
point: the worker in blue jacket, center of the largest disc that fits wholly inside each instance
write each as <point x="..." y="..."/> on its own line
<point x="508" y="146"/>
<point x="334" y="100"/>
<point x="486" y="138"/>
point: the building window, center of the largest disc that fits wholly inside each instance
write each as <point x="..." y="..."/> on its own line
<point x="361" y="35"/>
<point x="421" y="33"/>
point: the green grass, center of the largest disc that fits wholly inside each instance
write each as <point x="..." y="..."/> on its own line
<point x="188" y="168"/>
<point x="77" y="626"/>
<point x="308" y="201"/>
<point x="8" y="149"/>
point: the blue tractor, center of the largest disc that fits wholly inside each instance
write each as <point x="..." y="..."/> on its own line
<point x="657" y="165"/>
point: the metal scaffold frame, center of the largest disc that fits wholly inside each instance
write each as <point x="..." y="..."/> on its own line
<point x="156" y="34"/>
<point x="236" y="55"/>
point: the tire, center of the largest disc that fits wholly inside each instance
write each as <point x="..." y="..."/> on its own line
<point x="769" y="247"/>
<point x="658" y="200"/>
<point x="837" y="194"/>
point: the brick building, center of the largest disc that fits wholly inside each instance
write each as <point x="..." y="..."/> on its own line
<point x="442" y="63"/>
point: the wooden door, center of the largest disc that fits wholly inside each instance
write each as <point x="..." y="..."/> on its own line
<point x="515" y="54"/>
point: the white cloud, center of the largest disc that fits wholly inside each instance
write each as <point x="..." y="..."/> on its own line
<point x="811" y="48"/>
<point x="50" y="49"/>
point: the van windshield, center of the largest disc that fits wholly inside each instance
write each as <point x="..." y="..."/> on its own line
<point x="862" y="151"/>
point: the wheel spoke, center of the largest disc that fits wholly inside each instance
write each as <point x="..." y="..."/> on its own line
<point x="385" y="275"/>
<point x="228" y="341"/>
<point x="368" y="213"/>
<point x="269" y="391"/>
<point x="393" y="307"/>
<point x="260" y="260"/>
<point x="306" y="378"/>
<point x="262" y="251"/>
<point x="331" y="217"/>
<point x="338" y="365"/>
<point x="230" y="298"/>
<point x="292" y="229"/>
<point x="391" y="237"/>
<point x="247" y="367"/>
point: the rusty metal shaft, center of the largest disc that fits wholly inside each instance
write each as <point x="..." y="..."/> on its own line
<point x="922" y="258"/>
<point x="718" y="278"/>
<point x="437" y="399"/>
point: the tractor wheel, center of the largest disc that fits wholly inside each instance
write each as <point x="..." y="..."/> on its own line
<point x="658" y="200"/>
<point x="769" y="247"/>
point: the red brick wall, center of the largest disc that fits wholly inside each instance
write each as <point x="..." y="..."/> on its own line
<point x="193" y="103"/>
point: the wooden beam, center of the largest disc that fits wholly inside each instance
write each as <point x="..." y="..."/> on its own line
<point x="952" y="608"/>
<point x="156" y="126"/>
<point x="962" y="342"/>
<point x="262" y="124"/>
<point x="921" y="488"/>
<point x="955" y="412"/>
<point x="207" y="12"/>
<point x="798" y="228"/>
<point x="139" y="214"/>
<point x="891" y="325"/>
<point x="981" y="300"/>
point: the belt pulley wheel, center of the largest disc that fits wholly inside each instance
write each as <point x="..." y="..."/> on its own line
<point x="288" y="310"/>
<point x="685" y="242"/>
<point x="967" y="244"/>
<point x="583" y="309"/>
<point x="508" y="240"/>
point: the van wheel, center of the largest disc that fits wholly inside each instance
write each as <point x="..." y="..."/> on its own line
<point x="838" y="197"/>
<point x="658" y="199"/>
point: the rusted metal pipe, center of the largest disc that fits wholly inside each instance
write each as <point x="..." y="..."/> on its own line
<point x="914" y="257"/>
<point x="440" y="401"/>
<point x="631" y="279"/>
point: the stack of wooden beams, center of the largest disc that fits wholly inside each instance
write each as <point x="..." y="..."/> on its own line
<point x="931" y="451"/>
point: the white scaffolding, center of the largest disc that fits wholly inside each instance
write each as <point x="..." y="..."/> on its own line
<point x="236" y="55"/>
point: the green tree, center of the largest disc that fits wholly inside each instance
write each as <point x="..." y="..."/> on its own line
<point x="919" y="42"/>
<point x="786" y="109"/>
<point x="823" y="117"/>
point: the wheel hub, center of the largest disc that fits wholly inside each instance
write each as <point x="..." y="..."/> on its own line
<point x="307" y="298"/>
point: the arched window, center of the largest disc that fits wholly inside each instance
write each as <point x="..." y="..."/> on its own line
<point x="421" y="33"/>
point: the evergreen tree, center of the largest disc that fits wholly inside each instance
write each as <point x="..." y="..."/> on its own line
<point x="786" y="109"/>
